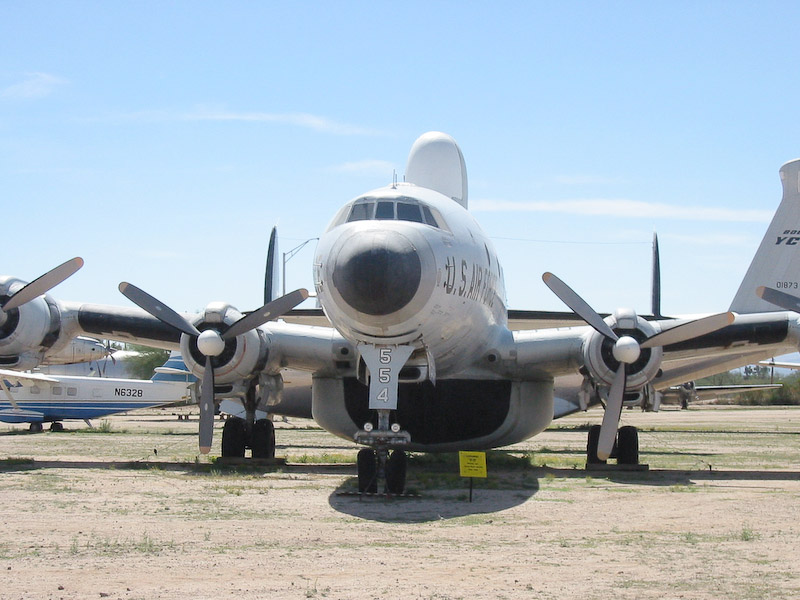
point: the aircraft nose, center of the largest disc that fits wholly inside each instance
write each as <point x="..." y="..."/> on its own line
<point x="378" y="272"/>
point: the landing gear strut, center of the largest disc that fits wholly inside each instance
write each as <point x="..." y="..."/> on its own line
<point x="375" y="463"/>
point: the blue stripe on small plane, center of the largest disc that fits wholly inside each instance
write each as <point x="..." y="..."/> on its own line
<point x="92" y="410"/>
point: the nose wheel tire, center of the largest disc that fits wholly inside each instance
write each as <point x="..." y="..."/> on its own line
<point x="367" y="463"/>
<point x="396" y="468"/>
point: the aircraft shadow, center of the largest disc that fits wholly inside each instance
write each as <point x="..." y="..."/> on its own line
<point x="429" y="504"/>
<point x="669" y="477"/>
<point x="438" y="503"/>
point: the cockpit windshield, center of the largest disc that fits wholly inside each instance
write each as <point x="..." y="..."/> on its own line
<point x="400" y="209"/>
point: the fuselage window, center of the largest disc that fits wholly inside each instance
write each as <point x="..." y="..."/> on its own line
<point x="384" y="210"/>
<point x="57" y="390"/>
<point x="71" y="391"/>
<point x="35" y="389"/>
<point x="409" y="212"/>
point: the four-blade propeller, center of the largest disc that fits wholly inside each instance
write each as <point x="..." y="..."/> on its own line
<point x="626" y="351"/>
<point x="210" y="342"/>
<point x="43" y="284"/>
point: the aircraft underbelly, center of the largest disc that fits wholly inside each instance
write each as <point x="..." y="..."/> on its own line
<point x="455" y="414"/>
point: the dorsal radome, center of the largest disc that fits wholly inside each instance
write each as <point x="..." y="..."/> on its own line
<point x="435" y="162"/>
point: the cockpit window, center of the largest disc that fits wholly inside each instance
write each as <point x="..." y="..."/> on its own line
<point x="385" y="210"/>
<point x="409" y="212"/>
<point x="362" y="211"/>
<point x="401" y="209"/>
<point x="429" y="219"/>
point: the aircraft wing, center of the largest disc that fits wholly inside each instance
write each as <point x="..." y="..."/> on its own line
<point x="26" y="379"/>
<point x="122" y="325"/>
<point x="780" y="365"/>
<point x="709" y="392"/>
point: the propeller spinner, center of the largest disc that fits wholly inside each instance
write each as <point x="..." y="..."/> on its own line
<point x="211" y="342"/>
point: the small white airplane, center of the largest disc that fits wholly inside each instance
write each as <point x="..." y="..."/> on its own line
<point x="36" y="399"/>
<point x="421" y="352"/>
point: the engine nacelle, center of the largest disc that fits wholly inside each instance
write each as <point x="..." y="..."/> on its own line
<point x="28" y="331"/>
<point x="599" y="359"/>
<point x="243" y="356"/>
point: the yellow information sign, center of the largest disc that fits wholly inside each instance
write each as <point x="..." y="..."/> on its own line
<point x="472" y="464"/>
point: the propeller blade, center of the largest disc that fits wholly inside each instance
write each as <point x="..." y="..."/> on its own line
<point x="271" y="310"/>
<point x="158" y="309"/>
<point x="272" y="272"/>
<point x="608" y="430"/>
<point x="43" y="284"/>
<point x="778" y="298"/>
<point x="578" y="305"/>
<point x="207" y="408"/>
<point x="690" y="330"/>
<point x="655" y="297"/>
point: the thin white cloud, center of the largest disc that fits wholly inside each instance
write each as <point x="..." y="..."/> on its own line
<point x="631" y="209"/>
<point x="588" y="180"/>
<point x="711" y="239"/>
<point x="364" y="167"/>
<point x="305" y="120"/>
<point x="33" y="87"/>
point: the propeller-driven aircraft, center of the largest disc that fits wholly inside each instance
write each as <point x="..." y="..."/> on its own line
<point x="421" y="353"/>
<point x="36" y="398"/>
<point x="53" y="349"/>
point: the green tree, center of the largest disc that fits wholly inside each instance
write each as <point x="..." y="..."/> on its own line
<point x="143" y="366"/>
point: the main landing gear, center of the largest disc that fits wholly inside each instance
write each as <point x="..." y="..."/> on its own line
<point x="626" y="448"/>
<point x="239" y="434"/>
<point x="235" y="439"/>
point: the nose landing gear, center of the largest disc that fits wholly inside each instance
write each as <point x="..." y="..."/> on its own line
<point x="384" y="460"/>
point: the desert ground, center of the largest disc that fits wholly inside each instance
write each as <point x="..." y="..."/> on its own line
<point x="128" y="510"/>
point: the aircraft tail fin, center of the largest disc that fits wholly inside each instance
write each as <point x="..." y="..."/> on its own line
<point x="173" y="370"/>
<point x="776" y="264"/>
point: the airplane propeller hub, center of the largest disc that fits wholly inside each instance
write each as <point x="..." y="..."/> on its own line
<point x="210" y="343"/>
<point x="627" y="350"/>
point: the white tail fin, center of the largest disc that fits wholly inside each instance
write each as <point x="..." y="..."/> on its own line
<point x="777" y="263"/>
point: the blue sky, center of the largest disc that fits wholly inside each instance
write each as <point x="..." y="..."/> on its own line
<point x="162" y="141"/>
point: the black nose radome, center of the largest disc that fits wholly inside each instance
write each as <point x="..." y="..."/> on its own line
<point x="377" y="273"/>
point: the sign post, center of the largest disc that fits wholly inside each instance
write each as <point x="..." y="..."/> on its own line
<point x="472" y="464"/>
